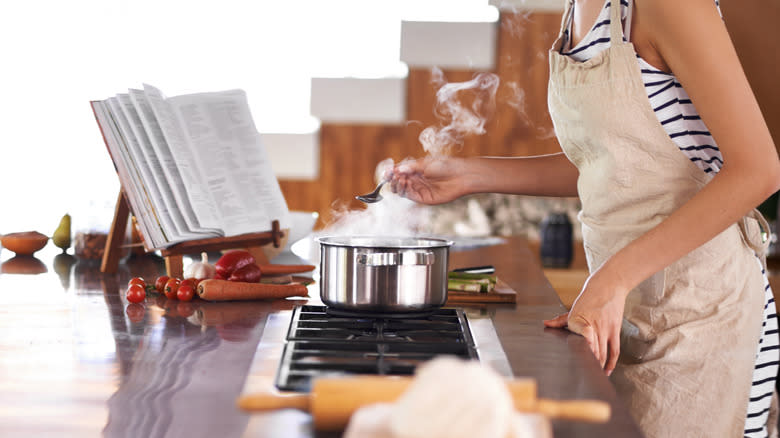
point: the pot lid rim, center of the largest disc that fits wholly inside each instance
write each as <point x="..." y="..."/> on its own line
<point x="385" y="241"/>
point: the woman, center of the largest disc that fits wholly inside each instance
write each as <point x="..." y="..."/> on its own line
<point x="665" y="145"/>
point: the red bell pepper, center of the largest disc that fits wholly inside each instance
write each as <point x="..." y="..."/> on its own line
<point x="232" y="261"/>
<point x="247" y="274"/>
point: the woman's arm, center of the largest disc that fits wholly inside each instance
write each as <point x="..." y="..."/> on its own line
<point x="692" y="40"/>
<point x="435" y="180"/>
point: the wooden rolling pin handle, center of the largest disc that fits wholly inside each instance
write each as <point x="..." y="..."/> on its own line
<point x="333" y="400"/>
<point x="270" y="402"/>
<point x="591" y="411"/>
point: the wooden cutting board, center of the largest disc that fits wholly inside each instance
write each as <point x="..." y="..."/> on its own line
<point x="502" y="293"/>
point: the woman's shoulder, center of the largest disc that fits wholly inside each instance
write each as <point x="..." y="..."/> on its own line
<point x="675" y="14"/>
<point x="667" y="29"/>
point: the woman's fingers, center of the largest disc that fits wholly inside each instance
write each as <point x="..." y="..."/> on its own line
<point x="580" y="325"/>
<point x="603" y="339"/>
<point x="559" y="321"/>
<point x="592" y="337"/>
<point x="605" y="345"/>
<point x="614" y="351"/>
<point x="597" y="314"/>
<point x="577" y="324"/>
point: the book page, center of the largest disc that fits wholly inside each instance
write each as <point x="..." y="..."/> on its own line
<point x="234" y="164"/>
<point x="137" y="164"/>
<point x="165" y="157"/>
<point x="152" y="170"/>
<point x="131" y="183"/>
<point x="181" y="154"/>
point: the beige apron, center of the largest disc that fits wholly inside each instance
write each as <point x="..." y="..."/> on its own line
<point x="690" y="333"/>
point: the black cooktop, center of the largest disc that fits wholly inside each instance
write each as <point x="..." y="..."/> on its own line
<point x="322" y="344"/>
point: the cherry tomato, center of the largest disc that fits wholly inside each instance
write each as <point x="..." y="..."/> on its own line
<point x="171" y="287"/>
<point x="135" y="293"/>
<point x="189" y="281"/>
<point x="137" y="280"/>
<point x="159" y="284"/>
<point x="185" y="292"/>
<point x="194" y="281"/>
<point x="135" y="312"/>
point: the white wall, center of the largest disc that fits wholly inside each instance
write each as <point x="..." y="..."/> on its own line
<point x="56" y="56"/>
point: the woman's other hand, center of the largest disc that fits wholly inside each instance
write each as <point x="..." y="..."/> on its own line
<point x="597" y="315"/>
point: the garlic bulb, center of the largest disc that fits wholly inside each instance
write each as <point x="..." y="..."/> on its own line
<point x="201" y="270"/>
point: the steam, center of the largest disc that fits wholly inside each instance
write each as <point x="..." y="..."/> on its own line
<point x="517" y="20"/>
<point x="462" y="109"/>
<point x="515" y="23"/>
<point x="393" y="216"/>
<point x="516" y="99"/>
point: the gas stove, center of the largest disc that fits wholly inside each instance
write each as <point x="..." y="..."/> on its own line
<point x="322" y="343"/>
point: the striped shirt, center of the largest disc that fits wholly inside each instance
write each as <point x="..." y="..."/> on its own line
<point x="668" y="99"/>
<point x="682" y="123"/>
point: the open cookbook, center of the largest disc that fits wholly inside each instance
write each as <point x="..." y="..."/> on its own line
<point x="191" y="166"/>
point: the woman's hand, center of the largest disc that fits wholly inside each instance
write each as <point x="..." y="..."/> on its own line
<point x="430" y="180"/>
<point x="597" y="315"/>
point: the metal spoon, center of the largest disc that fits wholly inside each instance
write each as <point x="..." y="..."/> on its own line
<point x="370" y="198"/>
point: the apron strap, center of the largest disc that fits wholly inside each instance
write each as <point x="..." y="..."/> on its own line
<point x="629" y="18"/>
<point x="615" y="23"/>
<point x="565" y="18"/>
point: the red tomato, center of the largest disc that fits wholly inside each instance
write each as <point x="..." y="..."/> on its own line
<point x="171" y="287"/>
<point x="137" y="280"/>
<point x="135" y="293"/>
<point x="190" y="281"/>
<point x="159" y="284"/>
<point x="194" y="281"/>
<point x="185" y="292"/>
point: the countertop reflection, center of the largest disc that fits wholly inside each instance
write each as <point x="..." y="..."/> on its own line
<point x="77" y="359"/>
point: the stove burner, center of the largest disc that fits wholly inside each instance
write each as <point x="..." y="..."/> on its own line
<point x="322" y="344"/>
<point x="341" y="313"/>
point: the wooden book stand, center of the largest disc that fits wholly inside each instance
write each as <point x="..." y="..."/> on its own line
<point x="253" y="242"/>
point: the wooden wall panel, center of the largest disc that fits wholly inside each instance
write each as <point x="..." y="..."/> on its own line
<point x="349" y="153"/>
<point x="753" y="27"/>
<point x="524" y="41"/>
<point x="348" y="156"/>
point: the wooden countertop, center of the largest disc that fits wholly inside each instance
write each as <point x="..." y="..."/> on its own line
<point x="77" y="360"/>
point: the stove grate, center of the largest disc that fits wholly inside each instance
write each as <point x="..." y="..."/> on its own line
<point x="320" y="344"/>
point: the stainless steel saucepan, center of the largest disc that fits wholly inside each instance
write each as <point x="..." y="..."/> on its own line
<point x="383" y="274"/>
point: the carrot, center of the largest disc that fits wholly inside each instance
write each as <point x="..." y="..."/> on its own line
<point x="274" y="269"/>
<point x="224" y="290"/>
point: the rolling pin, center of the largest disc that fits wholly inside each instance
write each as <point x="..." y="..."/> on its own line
<point x="333" y="400"/>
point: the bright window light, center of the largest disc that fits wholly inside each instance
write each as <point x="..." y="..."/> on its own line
<point x="59" y="55"/>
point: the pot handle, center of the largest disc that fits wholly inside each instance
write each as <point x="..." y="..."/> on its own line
<point x="396" y="258"/>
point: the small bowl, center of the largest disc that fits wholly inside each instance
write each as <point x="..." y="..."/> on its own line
<point x="24" y="243"/>
<point x="302" y="225"/>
